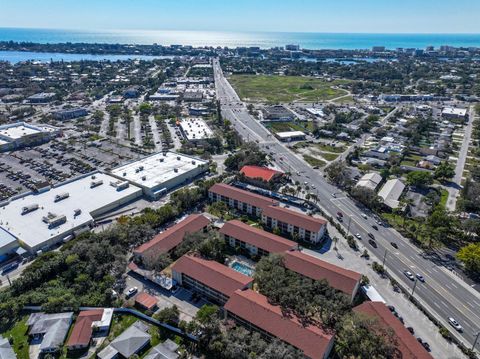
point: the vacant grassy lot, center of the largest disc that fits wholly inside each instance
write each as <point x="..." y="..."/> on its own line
<point x="312" y="161"/>
<point x="275" y="89"/>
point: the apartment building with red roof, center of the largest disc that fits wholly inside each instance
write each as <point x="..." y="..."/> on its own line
<point x="311" y="267"/>
<point x="296" y="224"/>
<point x="407" y="345"/>
<point x="239" y="199"/>
<point x="260" y="176"/>
<point x="209" y="278"/>
<point x="252" y="310"/>
<point x="254" y="240"/>
<point x="169" y="239"/>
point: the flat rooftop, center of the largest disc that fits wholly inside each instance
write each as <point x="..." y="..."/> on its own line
<point x="18" y="130"/>
<point x="158" y="168"/>
<point x="195" y="129"/>
<point x="33" y="231"/>
<point x="289" y="134"/>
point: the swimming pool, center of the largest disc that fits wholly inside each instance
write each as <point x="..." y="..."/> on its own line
<point x="242" y="268"/>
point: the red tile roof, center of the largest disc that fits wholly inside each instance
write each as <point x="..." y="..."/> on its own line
<point x="82" y="331"/>
<point x="337" y="277"/>
<point x="242" y="195"/>
<point x="257" y="237"/>
<point x="213" y="274"/>
<point x="255" y="309"/>
<point x="173" y="236"/>
<point x="407" y="344"/>
<point x="264" y="173"/>
<point x="146" y="300"/>
<point x="312" y="224"/>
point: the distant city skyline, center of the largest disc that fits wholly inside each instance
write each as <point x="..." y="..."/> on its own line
<point x="345" y="16"/>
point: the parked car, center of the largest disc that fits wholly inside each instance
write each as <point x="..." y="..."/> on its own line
<point x="409" y="275"/>
<point x="455" y="324"/>
<point x="426" y="346"/>
<point x="132" y="291"/>
<point x="410" y="329"/>
<point x="391" y="307"/>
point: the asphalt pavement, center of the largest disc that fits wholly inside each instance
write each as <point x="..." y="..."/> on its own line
<point x="444" y="293"/>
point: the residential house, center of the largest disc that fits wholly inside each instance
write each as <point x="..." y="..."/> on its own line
<point x="51" y="329"/>
<point x="146" y="301"/>
<point x="261" y="176"/>
<point x="132" y="341"/>
<point x="6" y="351"/>
<point x="87" y="322"/>
<point x="370" y="180"/>
<point x="391" y="192"/>
<point x="166" y="350"/>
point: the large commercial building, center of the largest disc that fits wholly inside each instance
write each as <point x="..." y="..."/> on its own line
<point x="39" y="220"/>
<point x="296" y="224"/>
<point x="172" y="237"/>
<point x="70" y="114"/>
<point x="160" y="172"/>
<point x="42" y="97"/>
<point x="289" y="136"/>
<point x="454" y="113"/>
<point x="195" y="129"/>
<point x="211" y="279"/>
<point x="20" y="134"/>
<point x="254" y="240"/>
<point x="252" y="310"/>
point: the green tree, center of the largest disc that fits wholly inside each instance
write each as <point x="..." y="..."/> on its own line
<point x="444" y="171"/>
<point x="419" y="178"/>
<point x="470" y="257"/>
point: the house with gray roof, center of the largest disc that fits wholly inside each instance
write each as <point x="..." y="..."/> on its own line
<point x="6" y="351"/>
<point x="52" y="329"/>
<point x="130" y="342"/>
<point x="166" y="350"/>
<point x="391" y="192"/>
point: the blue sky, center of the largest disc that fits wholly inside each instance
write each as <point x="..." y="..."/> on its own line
<point x="376" y="16"/>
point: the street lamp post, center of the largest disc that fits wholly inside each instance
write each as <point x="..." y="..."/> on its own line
<point x="475" y="342"/>
<point x="414" y="286"/>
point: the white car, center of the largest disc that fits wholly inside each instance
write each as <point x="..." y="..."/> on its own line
<point x="358" y="236"/>
<point x="409" y="275"/>
<point x="132" y="291"/>
<point x="455" y="324"/>
<point x="334" y="195"/>
<point x="420" y="277"/>
<point x="364" y="216"/>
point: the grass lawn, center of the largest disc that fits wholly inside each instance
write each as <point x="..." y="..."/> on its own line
<point x="20" y="338"/>
<point x="284" y="127"/>
<point x="274" y="89"/>
<point x="119" y="324"/>
<point x="443" y="198"/>
<point x="312" y="161"/>
<point x="329" y="156"/>
<point x="344" y="100"/>
<point x="327" y="148"/>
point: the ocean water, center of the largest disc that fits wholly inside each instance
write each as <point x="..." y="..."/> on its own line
<point x="238" y="39"/>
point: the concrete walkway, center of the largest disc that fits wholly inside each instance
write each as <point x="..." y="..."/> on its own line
<point x="413" y="317"/>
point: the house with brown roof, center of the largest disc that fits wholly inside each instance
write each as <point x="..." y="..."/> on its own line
<point x="209" y="278"/>
<point x="252" y="310"/>
<point x="407" y="345"/>
<point x="88" y="322"/>
<point x="296" y="224"/>
<point x="172" y="237"/>
<point x="311" y="267"/>
<point x="146" y="301"/>
<point x="239" y="199"/>
<point x="254" y="240"/>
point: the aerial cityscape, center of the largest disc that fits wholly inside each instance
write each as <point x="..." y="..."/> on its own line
<point x="244" y="180"/>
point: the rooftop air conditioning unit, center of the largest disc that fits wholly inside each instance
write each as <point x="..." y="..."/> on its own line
<point x="175" y="170"/>
<point x="144" y="178"/>
<point x="178" y="158"/>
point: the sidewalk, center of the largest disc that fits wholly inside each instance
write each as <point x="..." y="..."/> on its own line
<point x="412" y="316"/>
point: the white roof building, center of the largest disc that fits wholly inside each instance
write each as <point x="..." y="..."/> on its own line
<point x="19" y="134"/>
<point x="290" y="135"/>
<point x="391" y="192"/>
<point x="158" y="173"/>
<point x="39" y="220"/>
<point x="195" y="129"/>
<point x="454" y="112"/>
<point x="370" y="180"/>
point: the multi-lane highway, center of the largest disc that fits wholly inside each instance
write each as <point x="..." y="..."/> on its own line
<point x="443" y="292"/>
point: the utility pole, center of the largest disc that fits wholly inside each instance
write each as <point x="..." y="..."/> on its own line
<point x="475" y="342"/>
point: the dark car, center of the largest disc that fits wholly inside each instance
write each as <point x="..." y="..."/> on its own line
<point x="410" y="329"/>
<point x="394" y="245"/>
<point x="426" y="346"/>
<point x="371" y="235"/>
<point x="339" y="214"/>
<point x="374" y="226"/>
<point x="372" y="243"/>
<point x="391" y="307"/>
<point x="420" y="340"/>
